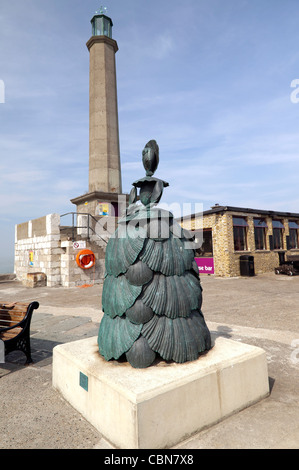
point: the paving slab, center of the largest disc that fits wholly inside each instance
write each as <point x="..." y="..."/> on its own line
<point x="261" y="310"/>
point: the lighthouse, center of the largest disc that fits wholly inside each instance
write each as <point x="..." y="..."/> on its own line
<point x="105" y="185"/>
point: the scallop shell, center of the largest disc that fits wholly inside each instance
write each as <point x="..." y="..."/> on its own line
<point x="139" y="313"/>
<point x="123" y="249"/>
<point x="116" y="336"/>
<point x="195" y="268"/>
<point x="168" y="256"/>
<point x="158" y="228"/>
<point x="118" y="295"/>
<point x="140" y="355"/>
<point x="179" y="339"/>
<point x="200" y="330"/>
<point x="139" y="273"/>
<point x="173" y="296"/>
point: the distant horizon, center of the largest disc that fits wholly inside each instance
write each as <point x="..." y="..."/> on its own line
<point x="7" y="267"/>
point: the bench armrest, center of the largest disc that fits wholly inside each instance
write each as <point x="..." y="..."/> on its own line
<point x="32" y="306"/>
<point x="6" y="328"/>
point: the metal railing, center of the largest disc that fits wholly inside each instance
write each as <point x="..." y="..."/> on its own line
<point x="74" y="226"/>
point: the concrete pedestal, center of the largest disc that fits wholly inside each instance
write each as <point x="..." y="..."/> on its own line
<point x="160" y="406"/>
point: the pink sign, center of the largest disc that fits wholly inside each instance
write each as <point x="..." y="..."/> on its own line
<point x="205" y="265"/>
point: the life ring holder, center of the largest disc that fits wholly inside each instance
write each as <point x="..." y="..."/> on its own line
<point x="85" y="259"/>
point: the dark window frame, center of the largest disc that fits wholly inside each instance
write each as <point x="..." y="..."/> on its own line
<point x="203" y="251"/>
<point x="260" y="227"/>
<point x="278" y="230"/>
<point x="240" y="230"/>
<point x="293" y="235"/>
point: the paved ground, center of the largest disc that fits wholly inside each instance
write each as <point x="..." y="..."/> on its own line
<point x="261" y="310"/>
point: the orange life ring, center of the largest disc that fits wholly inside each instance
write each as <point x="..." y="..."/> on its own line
<point x="85" y="259"/>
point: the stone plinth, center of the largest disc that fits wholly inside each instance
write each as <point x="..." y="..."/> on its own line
<point x="160" y="406"/>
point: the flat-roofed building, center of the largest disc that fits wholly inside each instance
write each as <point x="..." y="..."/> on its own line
<point x="261" y="238"/>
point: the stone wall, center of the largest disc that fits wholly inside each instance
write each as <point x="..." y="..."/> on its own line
<point x="264" y="260"/>
<point x="72" y="275"/>
<point x="40" y="247"/>
<point x="221" y="239"/>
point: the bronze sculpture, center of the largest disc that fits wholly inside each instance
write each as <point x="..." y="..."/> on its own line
<point x="152" y="293"/>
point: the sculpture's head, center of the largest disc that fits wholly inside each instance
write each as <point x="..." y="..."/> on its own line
<point x="150" y="157"/>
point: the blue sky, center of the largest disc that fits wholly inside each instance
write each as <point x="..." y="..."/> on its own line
<point x="210" y="80"/>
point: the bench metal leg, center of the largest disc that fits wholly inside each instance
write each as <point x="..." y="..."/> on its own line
<point x="24" y="345"/>
<point x="21" y="344"/>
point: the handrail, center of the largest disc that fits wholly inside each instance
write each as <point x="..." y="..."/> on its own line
<point x="88" y="226"/>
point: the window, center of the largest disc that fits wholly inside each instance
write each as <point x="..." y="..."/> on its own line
<point x="240" y="233"/>
<point x="206" y="248"/>
<point x="260" y="234"/>
<point x="278" y="228"/>
<point x="293" y="239"/>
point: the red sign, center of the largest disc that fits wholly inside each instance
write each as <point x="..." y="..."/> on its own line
<point x="205" y="265"/>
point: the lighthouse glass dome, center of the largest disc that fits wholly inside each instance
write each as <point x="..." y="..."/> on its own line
<point x="101" y="26"/>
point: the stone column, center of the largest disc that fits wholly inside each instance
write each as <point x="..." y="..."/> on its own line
<point x="104" y="153"/>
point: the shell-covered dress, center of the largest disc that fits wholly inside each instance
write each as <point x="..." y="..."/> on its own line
<point x="152" y="294"/>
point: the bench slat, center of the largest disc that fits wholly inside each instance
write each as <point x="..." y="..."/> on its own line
<point x="12" y="312"/>
<point x="15" y="309"/>
<point x="10" y="318"/>
<point x="10" y="334"/>
<point x="12" y="315"/>
<point x="6" y="324"/>
<point x="14" y="305"/>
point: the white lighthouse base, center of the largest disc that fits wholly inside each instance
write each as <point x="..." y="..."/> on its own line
<point x="162" y="405"/>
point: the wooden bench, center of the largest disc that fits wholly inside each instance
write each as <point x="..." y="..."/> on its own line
<point x="15" y="319"/>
